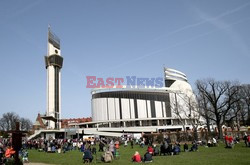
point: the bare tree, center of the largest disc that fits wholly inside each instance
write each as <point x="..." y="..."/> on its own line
<point x="234" y="116"/>
<point x="203" y="106"/>
<point x="25" y="124"/>
<point x="221" y="96"/>
<point x="177" y="109"/>
<point x="245" y="92"/>
<point x="9" y="119"/>
<point x="2" y="124"/>
<point x="240" y="108"/>
<point x="195" y="117"/>
<point x="186" y="109"/>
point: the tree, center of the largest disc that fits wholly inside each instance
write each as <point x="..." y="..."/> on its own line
<point x="235" y="116"/>
<point x="9" y="119"/>
<point x="187" y="110"/>
<point x="221" y="96"/>
<point x="245" y="92"/>
<point x="177" y="109"/>
<point x="2" y="124"/>
<point x="25" y="124"/>
<point x="203" y="106"/>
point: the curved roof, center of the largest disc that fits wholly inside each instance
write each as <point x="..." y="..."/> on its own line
<point x="163" y="90"/>
<point x="172" y="74"/>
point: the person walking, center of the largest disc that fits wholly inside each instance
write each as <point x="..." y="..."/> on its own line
<point x="245" y="138"/>
<point x="132" y="143"/>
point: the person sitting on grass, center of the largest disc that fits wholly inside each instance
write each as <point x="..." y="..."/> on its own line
<point x="150" y="150"/>
<point x="1" y="153"/>
<point x="185" y="147"/>
<point x="209" y="143"/>
<point x="176" y="149"/>
<point x="87" y="156"/>
<point x="101" y="146"/>
<point x="65" y="147"/>
<point x="9" y="153"/>
<point x="169" y="149"/>
<point x="112" y="147"/>
<point x="53" y="149"/>
<point x="230" y="143"/>
<point x="25" y="156"/>
<point x="214" y="142"/>
<point x="226" y="141"/>
<point x="107" y="157"/>
<point x="93" y="150"/>
<point x="125" y="143"/>
<point x="156" y="150"/>
<point x="194" y="146"/>
<point x="147" y="157"/>
<point x="248" y="140"/>
<point x="117" y="145"/>
<point x="236" y="140"/>
<point x="163" y="150"/>
<point x="136" y="157"/>
<point x="142" y="144"/>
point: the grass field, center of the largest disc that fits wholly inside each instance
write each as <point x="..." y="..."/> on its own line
<point x="239" y="155"/>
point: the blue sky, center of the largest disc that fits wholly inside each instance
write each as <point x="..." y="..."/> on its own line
<point x="103" y="38"/>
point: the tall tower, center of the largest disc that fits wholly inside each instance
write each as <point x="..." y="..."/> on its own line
<point x="53" y="62"/>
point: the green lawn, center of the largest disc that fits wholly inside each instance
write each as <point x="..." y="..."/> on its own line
<point x="240" y="155"/>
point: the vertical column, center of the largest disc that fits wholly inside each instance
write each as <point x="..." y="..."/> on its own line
<point x="158" y="122"/>
<point x="60" y="99"/>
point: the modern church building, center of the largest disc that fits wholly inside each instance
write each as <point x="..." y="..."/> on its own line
<point x="137" y="110"/>
<point x="115" y="111"/>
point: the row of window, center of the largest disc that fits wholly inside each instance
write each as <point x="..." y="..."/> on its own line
<point x="156" y="96"/>
<point x="147" y="96"/>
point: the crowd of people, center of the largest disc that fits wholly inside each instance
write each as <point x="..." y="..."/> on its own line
<point x="166" y="148"/>
<point x="246" y="139"/>
<point x="7" y="152"/>
<point x="230" y="141"/>
<point x="109" y="147"/>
